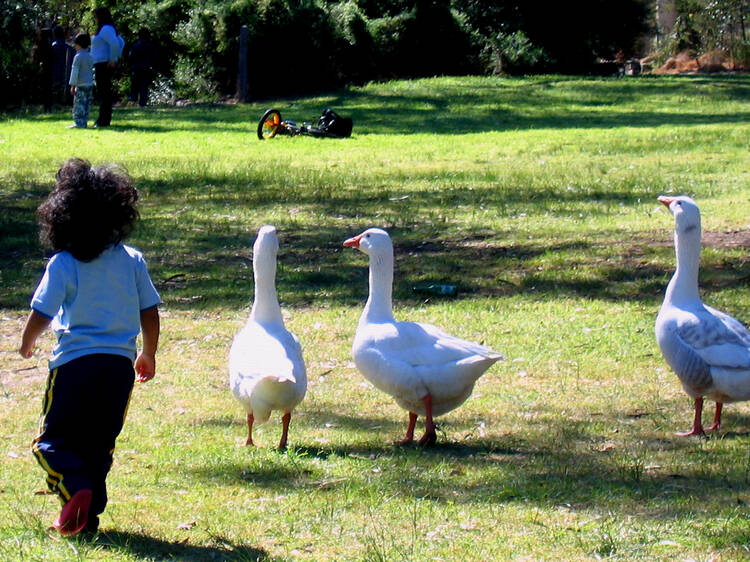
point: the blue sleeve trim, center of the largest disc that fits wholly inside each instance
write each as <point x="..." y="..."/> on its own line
<point x="150" y="307"/>
<point x="47" y="316"/>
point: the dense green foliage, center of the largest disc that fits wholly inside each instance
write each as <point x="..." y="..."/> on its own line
<point x="299" y="46"/>
<point x="18" y="72"/>
<point x="302" y="46"/>
<point x="560" y="36"/>
<point x="711" y="25"/>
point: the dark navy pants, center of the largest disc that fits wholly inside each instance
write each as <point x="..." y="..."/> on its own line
<point x="84" y="408"/>
<point x="103" y="76"/>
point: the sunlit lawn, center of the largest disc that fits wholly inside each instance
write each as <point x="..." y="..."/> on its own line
<point x="536" y="197"/>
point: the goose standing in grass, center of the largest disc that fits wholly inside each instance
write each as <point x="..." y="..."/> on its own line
<point x="709" y="350"/>
<point x="426" y="370"/>
<point x="266" y="369"/>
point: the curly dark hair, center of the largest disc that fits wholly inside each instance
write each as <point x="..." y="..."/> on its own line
<point x="88" y="209"/>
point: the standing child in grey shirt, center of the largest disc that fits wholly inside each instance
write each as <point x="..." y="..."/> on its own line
<point x="82" y="81"/>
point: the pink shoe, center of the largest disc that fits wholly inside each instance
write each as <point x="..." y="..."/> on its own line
<point x="74" y="514"/>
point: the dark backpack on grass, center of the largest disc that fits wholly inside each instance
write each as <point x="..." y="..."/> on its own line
<point x="331" y="123"/>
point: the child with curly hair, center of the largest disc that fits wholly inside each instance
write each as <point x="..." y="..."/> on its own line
<point x="97" y="295"/>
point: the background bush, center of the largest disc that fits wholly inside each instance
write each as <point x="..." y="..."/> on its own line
<point x="18" y="71"/>
<point x="300" y="46"/>
<point x="705" y="26"/>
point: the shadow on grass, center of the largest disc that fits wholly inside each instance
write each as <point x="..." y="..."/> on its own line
<point x="437" y="106"/>
<point x="150" y="548"/>
<point x="314" y="419"/>
<point x="21" y="258"/>
<point x="438" y="452"/>
<point x="284" y="470"/>
<point x="204" y="263"/>
<point x="554" y="462"/>
<point x="215" y="256"/>
<point x="513" y="104"/>
<point x="214" y="268"/>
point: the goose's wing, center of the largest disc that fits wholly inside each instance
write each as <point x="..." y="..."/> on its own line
<point x="416" y="344"/>
<point x="294" y="347"/>
<point x="409" y="360"/>
<point x="257" y="352"/>
<point x="294" y="353"/>
<point x="381" y="356"/>
<point x="457" y="347"/>
<point x="720" y="340"/>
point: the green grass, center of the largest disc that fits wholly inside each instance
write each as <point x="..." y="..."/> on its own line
<point x="536" y="196"/>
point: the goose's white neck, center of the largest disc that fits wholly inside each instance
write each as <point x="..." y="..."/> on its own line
<point x="266" y="309"/>
<point x="379" y="306"/>
<point x="683" y="287"/>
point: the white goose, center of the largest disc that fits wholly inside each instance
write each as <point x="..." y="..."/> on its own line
<point x="426" y="370"/>
<point x="266" y="369"/>
<point x="709" y="350"/>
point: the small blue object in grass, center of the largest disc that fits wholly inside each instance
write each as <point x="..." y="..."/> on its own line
<point x="436" y="289"/>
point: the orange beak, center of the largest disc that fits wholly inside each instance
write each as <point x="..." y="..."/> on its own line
<point x="666" y="201"/>
<point x="353" y="242"/>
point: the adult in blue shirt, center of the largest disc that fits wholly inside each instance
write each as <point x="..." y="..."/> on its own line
<point x="106" y="48"/>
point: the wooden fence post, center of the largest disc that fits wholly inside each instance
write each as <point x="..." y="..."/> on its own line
<point x="243" y="78"/>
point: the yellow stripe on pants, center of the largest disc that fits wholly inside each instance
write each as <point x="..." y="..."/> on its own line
<point x="54" y="478"/>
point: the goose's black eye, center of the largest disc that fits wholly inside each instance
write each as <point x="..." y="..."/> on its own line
<point x="679" y="203"/>
<point x="367" y="235"/>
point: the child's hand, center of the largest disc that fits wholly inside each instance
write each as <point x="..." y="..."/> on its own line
<point x="72" y="90"/>
<point x="145" y="366"/>
<point x="26" y="351"/>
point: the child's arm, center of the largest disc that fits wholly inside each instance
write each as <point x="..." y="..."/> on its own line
<point x="35" y="325"/>
<point x="145" y="364"/>
<point x="74" y="71"/>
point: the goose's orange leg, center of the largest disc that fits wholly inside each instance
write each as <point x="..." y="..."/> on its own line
<point x="430" y="436"/>
<point x="284" y="430"/>
<point x="697" y="423"/>
<point x="717" y="418"/>
<point x="409" y="437"/>
<point x="249" y="441"/>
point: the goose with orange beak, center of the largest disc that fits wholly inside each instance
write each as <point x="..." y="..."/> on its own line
<point x="427" y="371"/>
<point x="707" y="349"/>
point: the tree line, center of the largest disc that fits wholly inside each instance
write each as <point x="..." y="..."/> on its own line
<point x="300" y="46"/>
